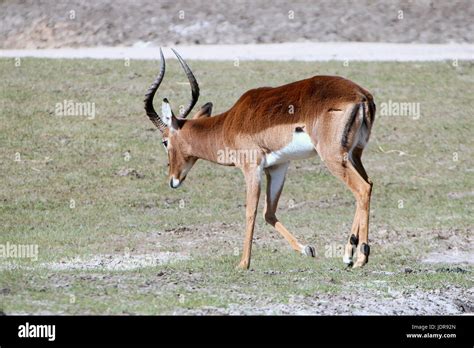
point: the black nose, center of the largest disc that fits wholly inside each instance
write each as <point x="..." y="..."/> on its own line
<point x="171" y="183"/>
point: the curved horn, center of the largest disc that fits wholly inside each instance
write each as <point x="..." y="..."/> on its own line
<point x="150" y="94"/>
<point x="192" y="82"/>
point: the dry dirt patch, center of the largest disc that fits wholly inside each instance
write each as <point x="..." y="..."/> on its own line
<point x="451" y="301"/>
<point x="116" y="262"/>
<point x="51" y="24"/>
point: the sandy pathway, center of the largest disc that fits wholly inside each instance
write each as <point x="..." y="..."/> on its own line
<point x="283" y="52"/>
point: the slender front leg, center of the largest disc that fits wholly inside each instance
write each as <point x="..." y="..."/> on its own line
<point x="252" y="179"/>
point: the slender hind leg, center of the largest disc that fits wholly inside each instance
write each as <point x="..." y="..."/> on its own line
<point x="364" y="250"/>
<point x="353" y="174"/>
<point x="275" y="181"/>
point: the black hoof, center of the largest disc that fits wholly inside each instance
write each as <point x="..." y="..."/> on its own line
<point x="309" y="251"/>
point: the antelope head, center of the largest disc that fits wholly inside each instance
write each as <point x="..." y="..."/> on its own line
<point x="174" y="140"/>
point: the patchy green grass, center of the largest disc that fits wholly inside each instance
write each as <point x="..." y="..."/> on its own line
<point x="59" y="190"/>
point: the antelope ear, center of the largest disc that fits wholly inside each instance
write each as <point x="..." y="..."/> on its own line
<point x="205" y="111"/>
<point x="168" y="117"/>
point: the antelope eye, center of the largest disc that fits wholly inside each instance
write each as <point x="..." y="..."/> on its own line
<point x="165" y="143"/>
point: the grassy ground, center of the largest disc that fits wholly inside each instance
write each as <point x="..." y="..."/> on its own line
<point x="101" y="234"/>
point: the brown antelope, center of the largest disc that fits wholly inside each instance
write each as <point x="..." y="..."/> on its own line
<point x="326" y="115"/>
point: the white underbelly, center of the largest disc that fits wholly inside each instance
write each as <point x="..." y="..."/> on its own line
<point x="300" y="147"/>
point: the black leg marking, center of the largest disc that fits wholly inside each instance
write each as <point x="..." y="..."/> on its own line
<point x="365" y="249"/>
<point x="354" y="240"/>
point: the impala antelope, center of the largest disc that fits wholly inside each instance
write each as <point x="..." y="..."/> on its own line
<point x="268" y="127"/>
